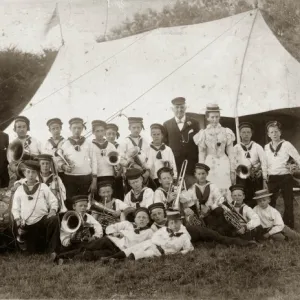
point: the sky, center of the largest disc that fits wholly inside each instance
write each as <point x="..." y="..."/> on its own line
<point x="22" y="22"/>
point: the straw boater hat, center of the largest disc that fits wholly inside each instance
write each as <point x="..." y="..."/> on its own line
<point x="212" y="107"/>
<point x="262" y="194"/>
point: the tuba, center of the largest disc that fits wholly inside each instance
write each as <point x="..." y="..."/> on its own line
<point x="242" y="171"/>
<point x="16" y="154"/>
<point x="71" y="221"/>
<point x="113" y="158"/>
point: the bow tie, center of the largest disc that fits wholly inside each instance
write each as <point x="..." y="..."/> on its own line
<point x="179" y="121"/>
<point x="172" y="233"/>
<point x="138" y="230"/>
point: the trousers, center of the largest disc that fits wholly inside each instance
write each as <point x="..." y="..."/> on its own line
<point x="203" y="234"/>
<point x="283" y="183"/>
<point x="76" y="185"/>
<point x="251" y="186"/>
<point x="43" y="235"/>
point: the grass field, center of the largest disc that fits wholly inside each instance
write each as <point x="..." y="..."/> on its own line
<point x="210" y="272"/>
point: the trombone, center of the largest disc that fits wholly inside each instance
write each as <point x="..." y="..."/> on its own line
<point x="180" y="185"/>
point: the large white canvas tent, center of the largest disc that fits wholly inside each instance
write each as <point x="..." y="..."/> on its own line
<point x="236" y="60"/>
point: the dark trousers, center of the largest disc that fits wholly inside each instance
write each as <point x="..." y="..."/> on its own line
<point x="43" y="233"/>
<point x="283" y="183"/>
<point x="251" y="186"/>
<point x="119" y="192"/>
<point x="217" y="222"/>
<point x="76" y="185"/>
<point x="203" y="234"/>
<point x="94" y="250"/>
<point x="190" y="166"/>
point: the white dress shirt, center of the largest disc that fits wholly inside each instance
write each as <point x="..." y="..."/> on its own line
<point x="130" y="238"/>
<point x="32" y="211"/>
<point x="147" y="198"/>
<point x="82" y="159"/>
<point x="65" y="237"/>
<point x="270" y="218"/>
<point x="276" y="165"/>
<point x="180" y="122"/>
<point x="154" y="164"/>
<point x="170" y="245"/>
<point x="257" y="156"/>
<point x="100" y="165"/>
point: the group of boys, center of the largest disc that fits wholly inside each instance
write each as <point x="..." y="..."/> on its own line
<point x="62" y="174"/>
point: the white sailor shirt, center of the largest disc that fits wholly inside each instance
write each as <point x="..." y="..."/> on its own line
<point x="31" y="145"/>
<point x="250" y="155"/>
<point x="32" y="208"/>
<point x="144" y="199"/>
<point x="249" y="215"/>
<point x="277" y="158"/>
<point x="132" y="234"/>
<point x="51" y="146"/>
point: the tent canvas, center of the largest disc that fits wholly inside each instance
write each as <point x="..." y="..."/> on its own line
<point x="139" y="75"/>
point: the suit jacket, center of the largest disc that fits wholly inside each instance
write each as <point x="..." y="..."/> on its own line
<point x="181" y="141"/>
<point x="4" y="177"/>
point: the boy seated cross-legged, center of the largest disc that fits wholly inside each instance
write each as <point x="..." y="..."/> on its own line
<point x="273" y="227"/>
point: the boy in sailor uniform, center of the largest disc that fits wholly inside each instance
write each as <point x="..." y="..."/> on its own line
<point x="100" y="148"/>
<point x="112" y="134"/>
<point x="272" y="224"/>
<point x="278" y="152"/>
<point x="133" y="140"/>
<point x="158" y="215"/>
<point x="120" y="236"/>
<point x="55" y="141"/>
<point x="34" y="209"/>
<point x="163" y="193"/>
<point x="170" y="239"/>
<point x="89" y="230"/>
<point x="107" y="200"/>
<point x="21" y="128"/>
<point x="77" y="151"/>
<point x="159" y="155"/>
<point x="139" y="195"/>
<point x="204" y="198"/>
<point x="249" y="229"/>
<point x="251" y="155"/>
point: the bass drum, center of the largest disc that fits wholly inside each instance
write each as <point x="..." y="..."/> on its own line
<point x="7" y="238"/>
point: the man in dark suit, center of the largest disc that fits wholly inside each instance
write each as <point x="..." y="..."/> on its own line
<point x="4" y="176"/>
<point x="180" y="131"/>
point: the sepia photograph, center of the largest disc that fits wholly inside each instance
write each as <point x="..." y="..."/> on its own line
<point x="150" y="149"/>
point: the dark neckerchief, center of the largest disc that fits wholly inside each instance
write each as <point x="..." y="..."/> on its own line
<point x="202" y="198"/>
<point x="172" y="233"/>
<point x="78" y="143"/>
<point x="48" y="181"/>
<point x="139" y="199"/>
<point x="52" y="142"/>
<point x="275" y="151"/>
<point x="247" y="149"/>
<point x="140" y="145"/>
<point x="241" y="209"/>
<point x="138" y="230"/>
<point x="27" y="142"/>
<point x="101" y="146"/>
<point x="158" y="226"/>
<point x="32" y="192"/>
<point x="158" y="150"/>
<point x="116" y="145"/>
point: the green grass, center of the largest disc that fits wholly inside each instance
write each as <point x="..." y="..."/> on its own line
<point x="210" y="272"/>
